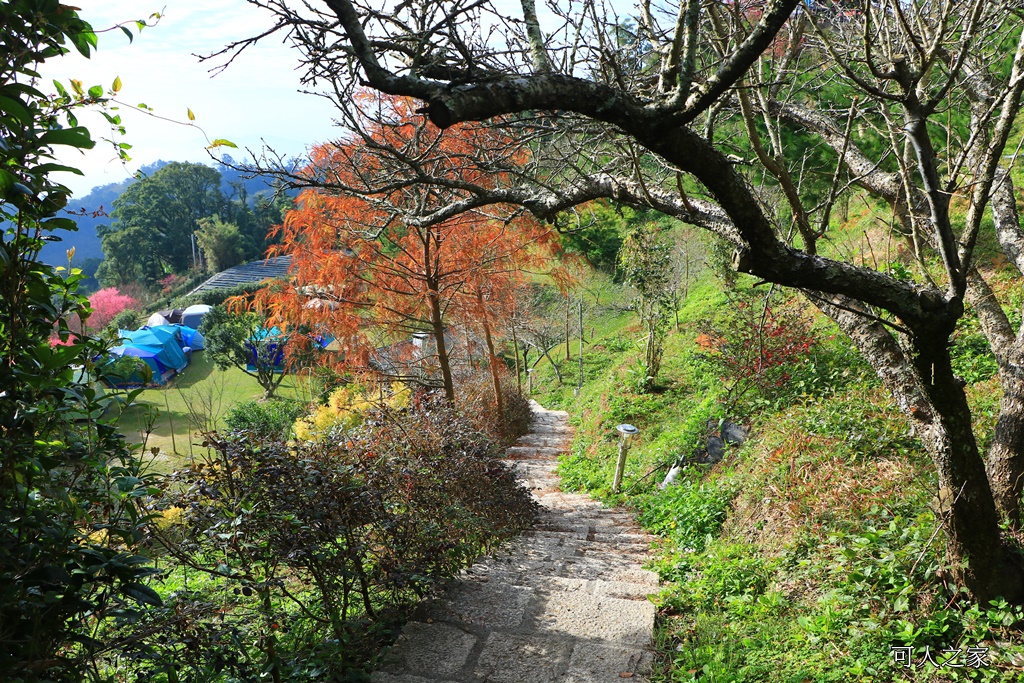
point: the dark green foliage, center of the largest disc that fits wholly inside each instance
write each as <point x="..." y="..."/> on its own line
<point x="238" y="339"/>
<point x="691" y="512"/>
<point x="70" y="523"/>
<point x="600" y="235"/>
<point x="177" y="219"/>
<point x="213" y="297"/>
<point x="973" y="360"/>
<point x="263" y="420"/>
<point x="221" y="244"/>
<point x="154" y="220"/>
<point x="128" y="319"/>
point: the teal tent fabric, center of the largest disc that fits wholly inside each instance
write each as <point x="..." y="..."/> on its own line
<point x="186" y="336"/>
<point x="170" y="353"/>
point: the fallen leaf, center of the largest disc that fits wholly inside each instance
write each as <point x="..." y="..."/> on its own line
<point x="626" y="674"/>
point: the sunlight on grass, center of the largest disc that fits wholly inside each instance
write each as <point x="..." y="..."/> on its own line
<point x="172" y="418"/>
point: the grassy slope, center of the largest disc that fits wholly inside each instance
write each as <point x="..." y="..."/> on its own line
<point x="208" y="391"/>
<point x="807" y="554"/>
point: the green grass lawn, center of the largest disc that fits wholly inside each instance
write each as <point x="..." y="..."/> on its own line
<point x="172" y="418"/>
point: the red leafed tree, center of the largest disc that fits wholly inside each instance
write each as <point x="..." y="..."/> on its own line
<point x="374" y="250"/>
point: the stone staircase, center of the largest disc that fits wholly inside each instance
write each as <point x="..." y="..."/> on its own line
<point x="566" y="601"/>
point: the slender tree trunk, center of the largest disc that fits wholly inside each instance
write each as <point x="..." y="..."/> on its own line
<point x="526" y="357"/>
<point x="270" y="640"/>
<point x="436" y="320"/>
<point x="439" y="343"/>
<point x="492" y="362"/>
<point x="558" y="373"/>
<point x="568" y="354"/>
<point x="515" y="353"/>
<point x="579" y="387"/>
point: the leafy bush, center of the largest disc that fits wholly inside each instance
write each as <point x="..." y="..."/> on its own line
<point x="518" y="413"/>
<point x="70" y="519"/>
<point x="475" y="396"/>
<point x="126" y="370"/>
<point x="128" y="319"/>
<point x="757" y="346"/>
<point x="346" y="408"/>
<point x="213" y="297"/>
<point x="332" y="538"/>
<point x="690" y="512"/>
<point x="263" y="420"/>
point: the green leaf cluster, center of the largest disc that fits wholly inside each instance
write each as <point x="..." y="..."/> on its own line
<point x="70" y="518"/>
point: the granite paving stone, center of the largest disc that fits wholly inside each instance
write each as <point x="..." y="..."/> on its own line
<point x="566" y="602"/>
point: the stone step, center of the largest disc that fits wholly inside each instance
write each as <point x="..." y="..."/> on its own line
<point x="565" y="602"/>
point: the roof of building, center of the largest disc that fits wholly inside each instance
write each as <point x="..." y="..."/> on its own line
<point x="254" y="271"/>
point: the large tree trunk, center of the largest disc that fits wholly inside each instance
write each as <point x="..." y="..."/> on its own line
<point x="1005" y="460"/>
<point x="966" y="502"/>
<point x="927" y="391"/>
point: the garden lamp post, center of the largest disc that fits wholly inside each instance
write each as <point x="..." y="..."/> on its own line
<point x="529" y="381"/>
<point x="626" y="433"/>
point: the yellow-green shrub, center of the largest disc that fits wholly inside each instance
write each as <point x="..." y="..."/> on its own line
<point x="346" y="408"/>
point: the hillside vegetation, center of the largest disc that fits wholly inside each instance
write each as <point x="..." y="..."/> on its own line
<point x="812" y="552"/>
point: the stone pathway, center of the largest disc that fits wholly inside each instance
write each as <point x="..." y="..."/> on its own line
<point x="566" y="602"/>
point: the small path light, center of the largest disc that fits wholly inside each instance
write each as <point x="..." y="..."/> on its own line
<point x="626" y="433"/>
<point x="529" y="381"/>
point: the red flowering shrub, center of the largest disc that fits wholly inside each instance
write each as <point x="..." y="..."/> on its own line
<point x="757" y="345"/>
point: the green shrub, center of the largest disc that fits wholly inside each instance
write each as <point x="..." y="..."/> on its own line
<point x="128" y="319"/>
<point x="315" y="548"/>
<point x="263" y="420"/>
<point x="213" y="297"/>
<point x="690" y="512"/>
<point x="518" y="413"/>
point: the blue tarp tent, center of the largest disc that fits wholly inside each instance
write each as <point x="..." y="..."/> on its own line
<point x="186" y="336"/>
<point x="166" y="333"/>
<point x="193" y="315"/>
<point x="193" y="338"/>
<point x="170" y="353"/>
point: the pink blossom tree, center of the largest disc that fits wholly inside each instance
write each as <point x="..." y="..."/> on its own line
<point x="107" y="303"/>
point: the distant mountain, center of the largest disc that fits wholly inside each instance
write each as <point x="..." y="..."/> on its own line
<point x="94" y="209"/>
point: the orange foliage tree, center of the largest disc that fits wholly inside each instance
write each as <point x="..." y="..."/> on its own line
<point x="373" y="247"/>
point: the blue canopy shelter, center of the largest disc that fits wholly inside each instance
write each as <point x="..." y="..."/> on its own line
<point x="170" y="353"/>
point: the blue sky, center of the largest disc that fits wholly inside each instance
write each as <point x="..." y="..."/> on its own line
<point x="255" y="100"/>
